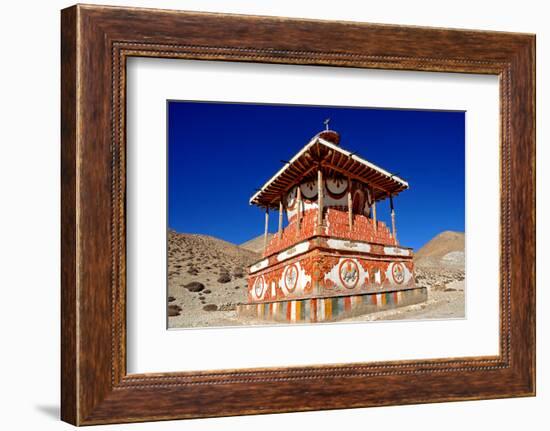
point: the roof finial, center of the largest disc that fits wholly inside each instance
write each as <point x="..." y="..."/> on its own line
<point x="326" y="123"/>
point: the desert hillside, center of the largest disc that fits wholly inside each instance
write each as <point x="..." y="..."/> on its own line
<point x="256" y="244"/>
<point x="440" y="266"/>
<point x="205" y="274"/>
<point x="444" y="250"/>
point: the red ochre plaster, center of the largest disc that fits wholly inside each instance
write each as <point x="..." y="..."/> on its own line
<point x="320" y="259"/>
<point x="336" y="224"/>
<point x="315" y="264"/>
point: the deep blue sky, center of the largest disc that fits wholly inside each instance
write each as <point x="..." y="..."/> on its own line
<point x="219" y="153"/>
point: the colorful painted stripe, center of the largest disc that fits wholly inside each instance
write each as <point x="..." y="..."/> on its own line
<point x="334" y="308"/>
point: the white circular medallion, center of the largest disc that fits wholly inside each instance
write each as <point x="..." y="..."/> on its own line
<point x="259" y="287"/>
<point x="398" y="273"/>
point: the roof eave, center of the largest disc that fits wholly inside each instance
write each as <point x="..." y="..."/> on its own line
<point x="330" y="145"/>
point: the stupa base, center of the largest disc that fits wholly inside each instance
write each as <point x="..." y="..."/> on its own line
<point x="332" y="309"/>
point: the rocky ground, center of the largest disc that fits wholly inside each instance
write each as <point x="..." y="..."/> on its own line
<point x="207" y="279"/>
<point x="446" y="297"/>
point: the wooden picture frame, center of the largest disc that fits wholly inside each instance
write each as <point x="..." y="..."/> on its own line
<point x="95" y="43"/>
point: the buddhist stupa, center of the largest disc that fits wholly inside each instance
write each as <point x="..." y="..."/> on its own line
<point x="334" y="259"/>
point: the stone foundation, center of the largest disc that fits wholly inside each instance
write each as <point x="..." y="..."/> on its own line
<point x="332" y="309"/>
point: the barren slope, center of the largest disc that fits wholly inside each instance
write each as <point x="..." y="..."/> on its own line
<point x="256" y="244"/>
<point x="444" y="250"/>
<point x="206" y="278"/>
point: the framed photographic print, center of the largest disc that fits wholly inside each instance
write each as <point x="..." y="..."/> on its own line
<point x="269" y="278"/>
<point x="267" y="215"/>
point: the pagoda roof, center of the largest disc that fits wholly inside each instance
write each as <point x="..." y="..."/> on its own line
<point x="334" y="161"/>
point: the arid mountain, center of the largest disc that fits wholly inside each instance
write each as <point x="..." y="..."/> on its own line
<point x="440" y="266"/>
<point x="205" y="274"/>
<point x="256" y="244"/>
<point x="444" y="250"/>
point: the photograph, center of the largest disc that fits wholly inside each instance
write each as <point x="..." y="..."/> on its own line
<point x="295" y="214"/>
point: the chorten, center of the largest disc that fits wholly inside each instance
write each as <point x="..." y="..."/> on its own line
<point x="334" y="259"/>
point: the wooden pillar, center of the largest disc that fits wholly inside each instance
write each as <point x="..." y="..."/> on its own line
<point x="374" y="211"/>
<point x="320" y="197"/>
<point x="281" y="218"/>
<point x="299" y="209"/>
<point x="393" y="231"/>
<point x="266" y="227"/>
<point x="350" y="205"/>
